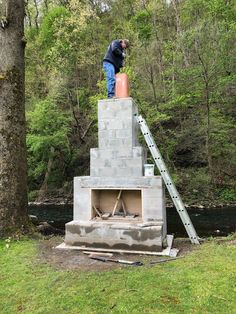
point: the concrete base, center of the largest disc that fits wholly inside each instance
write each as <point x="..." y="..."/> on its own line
<point x="168" y="251"/>
<point x="115" y="235"/>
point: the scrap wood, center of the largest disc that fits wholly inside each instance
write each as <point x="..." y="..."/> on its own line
<point x="98" y="253"/>
<point x="131" y="216"/>
<point x="165" y="260"/>
<point x="117" y="202"/>
<point x="106" y="216"/>
<point x="97" y="211"/>
<point x="104" y="259"/>
<point x="123" y="206"/>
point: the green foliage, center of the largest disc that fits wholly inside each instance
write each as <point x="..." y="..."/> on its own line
<point x="199" y="181"/>
<point x="48" y="127"/>
<point x="227" y="194"/>
<point x="142" y="23"/>
<point x="31" y="33"/>
<point x="32" y="195"/>
<point x="54" y="19"/>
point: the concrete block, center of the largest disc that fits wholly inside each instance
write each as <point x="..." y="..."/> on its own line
<point x="94" y="172"/>
<point x="82" y="204"/>
<point x="153" y="214"/>
<point x="110" y="182"/>
<point x="123" y="172"/>
<point x="94" y="153"/>
<point x="127" y="163"/>
<point x="156" y="181"/>
<point x="107" y="172"/>
<point x="127" y="142"/>
<point x="113" y="124"/>
<point x="102" y="125"/>
<point x="125" y="133"/>
<point x="107" y="134"/>
<point x="138" y="151"/>
<point x="137" y="171"/>
<point x="118" y="152"/>
<point x="153" y="193"/>
<point x="97" y="163"/>
<point x="116" y="171"/>
<point x="115" y="143"/>
<point x="114" y="109"/>
<point x="119" y="105"/>
<point x="127" y="124"/>
<point x="123" y="152"/>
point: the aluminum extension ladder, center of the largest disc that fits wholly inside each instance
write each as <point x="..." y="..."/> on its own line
<point x="168" y="181"/>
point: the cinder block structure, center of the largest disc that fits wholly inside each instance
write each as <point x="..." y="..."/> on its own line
<point x="117" y="207"/>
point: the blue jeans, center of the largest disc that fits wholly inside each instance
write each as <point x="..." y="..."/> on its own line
<point x="110" y="77"/>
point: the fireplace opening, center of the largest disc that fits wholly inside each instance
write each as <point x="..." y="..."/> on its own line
<point x="116" y="204"/>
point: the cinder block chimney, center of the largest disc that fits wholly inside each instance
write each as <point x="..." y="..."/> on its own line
<point x="117" y="208"/>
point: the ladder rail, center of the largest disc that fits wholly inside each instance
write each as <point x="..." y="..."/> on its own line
<point x="168" y="181"/>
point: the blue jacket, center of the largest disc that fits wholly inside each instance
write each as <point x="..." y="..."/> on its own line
<point x="114" y="55"/>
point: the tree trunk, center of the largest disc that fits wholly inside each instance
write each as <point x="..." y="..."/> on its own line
<point x="28" y="12"/>
<point x="206" y="78"/>
<point x="179" y="36"/>
<point x="13" y="178"/>
<point x="36" y="15"/>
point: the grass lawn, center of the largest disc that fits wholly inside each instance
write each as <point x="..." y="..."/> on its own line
<point x="204" y="281"/>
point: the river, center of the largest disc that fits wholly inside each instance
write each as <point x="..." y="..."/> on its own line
<point x="207" y="222"/>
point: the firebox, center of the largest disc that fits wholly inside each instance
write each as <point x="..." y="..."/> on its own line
<point x="116" y="205"/>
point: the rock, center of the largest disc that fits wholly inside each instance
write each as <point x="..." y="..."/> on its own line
<point x="46" y="229"/>
<point x="34" y="219"/>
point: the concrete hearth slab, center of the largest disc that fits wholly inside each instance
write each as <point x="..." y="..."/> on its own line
<point x="115" y="235"/>
<point x="168" y="251"/>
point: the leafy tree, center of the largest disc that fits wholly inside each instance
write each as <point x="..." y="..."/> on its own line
<point x="47" y="141"/>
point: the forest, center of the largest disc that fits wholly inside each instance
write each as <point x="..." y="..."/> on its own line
<point x="181" y="66"/>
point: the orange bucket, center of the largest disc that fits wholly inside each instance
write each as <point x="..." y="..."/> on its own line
<point x="122" y="85"/>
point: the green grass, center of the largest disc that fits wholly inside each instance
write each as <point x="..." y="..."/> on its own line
<point x="202" y="282"/>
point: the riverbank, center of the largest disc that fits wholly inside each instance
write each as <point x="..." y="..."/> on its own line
<point x="35" y="278"/>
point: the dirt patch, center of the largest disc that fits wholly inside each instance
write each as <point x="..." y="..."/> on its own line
<point x="69" y="260"/>
<point x="233" y="242"/>
<point x="77" y="260"/>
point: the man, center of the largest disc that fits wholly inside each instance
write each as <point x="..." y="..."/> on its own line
<point x="112" y="62"/>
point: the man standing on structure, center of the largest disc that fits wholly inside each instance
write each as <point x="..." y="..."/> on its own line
<point x="112" y="62"/>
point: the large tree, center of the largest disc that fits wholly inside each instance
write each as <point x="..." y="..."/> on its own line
<point x="13" y="179"/>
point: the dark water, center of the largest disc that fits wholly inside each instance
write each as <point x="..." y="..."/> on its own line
<point x="207" y="222"/>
